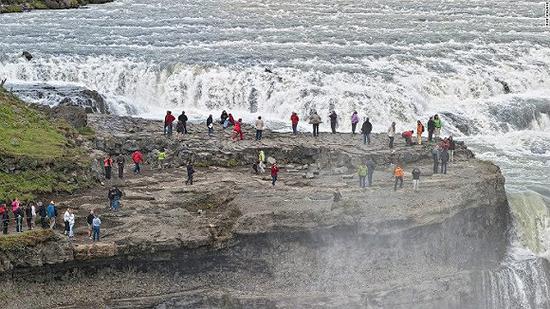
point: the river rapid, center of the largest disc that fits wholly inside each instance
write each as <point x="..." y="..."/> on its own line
<point x="483" y="65"/>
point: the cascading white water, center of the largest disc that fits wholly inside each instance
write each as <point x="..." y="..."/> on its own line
<point x="483" y="65"/>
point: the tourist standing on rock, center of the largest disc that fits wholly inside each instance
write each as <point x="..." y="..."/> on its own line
<point x="161" y="157"/>
<point x="399" y="174"/>
<point x="89" y="221"/>
<point x="370" y="170"/>
<point x="416" y="178"/>
<point x="108" y="166"/>
<point x="5" y="217"/>
<point x="391" y="134"/>
<point x="237" y="131"/>
<point x="137" y="157"/>
<point x="354" y="122"/>
<point x="223" y="117"/>
<point x="43" y="214"/>
<point x="315" y="120"/>
<point x="438" y="125"/>
<point x="362" y="172"/>
<point x="444" y="157"/>
<point x="114" y="196"/>
<point x="452" y="147"/>
<point x="333" y="121"/>
<point x="66" y="221"/>
<point x="294" y="119"/>
<point x="168" y="123"/>
<point x="261" y="161"/>
<point x="71" y="220"/>
<point x="419" y="131"/>
<point x="435" y="157"/>
<point x="96" y="224"/>
<point x="190" y="172"/>
<point x="52" y="214"/>
<point x="366" y="129"/>
<point x="407" y="135"/>
<point x="18" y="214"/>
<point x="182" y="123"/>
<point x="431" y="129"/>
<point x="274" y="173"/>
<point x="30" y="213"/>
<point x="259" y="128"/>
<point x="210" y="124"/>
<point x="120" y="162"/>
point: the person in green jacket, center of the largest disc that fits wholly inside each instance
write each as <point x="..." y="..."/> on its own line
<point x="438" y="125"/>
<point x="362" y="171"/>
<point x="161" y="157"/>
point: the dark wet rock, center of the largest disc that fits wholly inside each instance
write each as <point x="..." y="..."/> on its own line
<point x="463" y="124"/>
<point x="27" y="55"/>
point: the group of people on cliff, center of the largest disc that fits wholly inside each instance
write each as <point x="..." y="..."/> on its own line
<point x="46" y="216"/>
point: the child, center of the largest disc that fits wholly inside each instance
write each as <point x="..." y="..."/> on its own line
<point x="190" y="172"/>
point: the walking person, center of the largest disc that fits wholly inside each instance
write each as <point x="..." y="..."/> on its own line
<point x="168" y="123"/>
<point x="71" y="220"/>
<point x="96" y="224"/>
<point x="259" y="128"/>
<point x="30" y="214"/>
<point x="315" y="120"/>
<point x="431" y="129"/>
<point x="362" y="172"/>
<point x="419" y="131"/>
<point x="52" y="214"/>
<point x="452" y="147"/>
<point x="161" y="157"/>
<point x="435" y="157"/>
<point x="416" y="178"/>
<point x="261" y="161"/>
<point x="354" y="122"/>
<point x="89" y="221"/>
<point x="182" y="123"/>
<point x="333" y="121"/>
<point x="438" y="125"/>
<point x="120" y="162"/>
<point x="137" y="158"/>
<point x="43" y="214"/>
<point x="274" y="173"/>
<point x="391" y="134"/>
<point x="17" y="214"/>
<point x="4" y="216"/>
<point x="66" y="221"/>
<point x="237" y="131"/>
<point x="366" y="129"/>
<point x="294" y="119"/>
<point x="114" y="196"/>
<point x="190" y="172"/>
<point x="444" y="157"/>
<point x="108" y="166"/>
<point x="370" y="170"/>
<point x="399" y="174"/>
<point x="210" y="124"/>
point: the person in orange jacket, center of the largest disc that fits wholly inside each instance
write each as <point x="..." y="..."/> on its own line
<point x="399" y="174"/>
<point x="108" y="166"/>
<point x="419" y="131"/>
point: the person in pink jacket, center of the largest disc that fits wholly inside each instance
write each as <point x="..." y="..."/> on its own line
<point x="354" y="122"/>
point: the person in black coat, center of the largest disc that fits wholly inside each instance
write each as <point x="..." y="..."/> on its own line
<point x="190" y="172"/>
<point x="43" y="214"/>
<point x="431" y="129"/>
<point x="182" y="123"/>
<point x="366" y="129"/>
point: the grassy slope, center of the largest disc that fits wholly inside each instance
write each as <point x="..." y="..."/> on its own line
<point x="44" y="155"/>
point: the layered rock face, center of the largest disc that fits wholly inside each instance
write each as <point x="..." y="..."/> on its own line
<point x="232" y="240"/>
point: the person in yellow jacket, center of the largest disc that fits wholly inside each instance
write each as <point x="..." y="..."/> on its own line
<point x="261" y="161"/>
<point x="399" y="174"/>
<point x="419" y="131"/>
<point x="362" y="171"/>
<point x="161" y="157"/>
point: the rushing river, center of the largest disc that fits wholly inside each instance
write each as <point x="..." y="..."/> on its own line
<point x="484" y="65"/>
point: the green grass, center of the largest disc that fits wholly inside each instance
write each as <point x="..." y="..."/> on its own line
<point x="26" y="132"/>
<point x="11" y="9"/>
<point x="19" y="242"/>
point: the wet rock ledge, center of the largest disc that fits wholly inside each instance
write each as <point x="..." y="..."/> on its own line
<point x="231" y="240"/>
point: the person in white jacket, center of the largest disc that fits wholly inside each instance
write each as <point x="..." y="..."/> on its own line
<point x="71" y="225"/>
<point x="259" y="128"/>
<point x="66" y="221"/>
<point x="391" y="134"/>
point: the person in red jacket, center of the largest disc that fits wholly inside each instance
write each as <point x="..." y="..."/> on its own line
<point x="294" y="119"/>
<point x="108" y="166"/>
<point x="407" y="135"/>
<point x="168" y="122"/>
<point x="237" y="131"/>
<point x="274" y="173"/>
<point x="231" y="120"/>
<point x="137" y="157"/>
